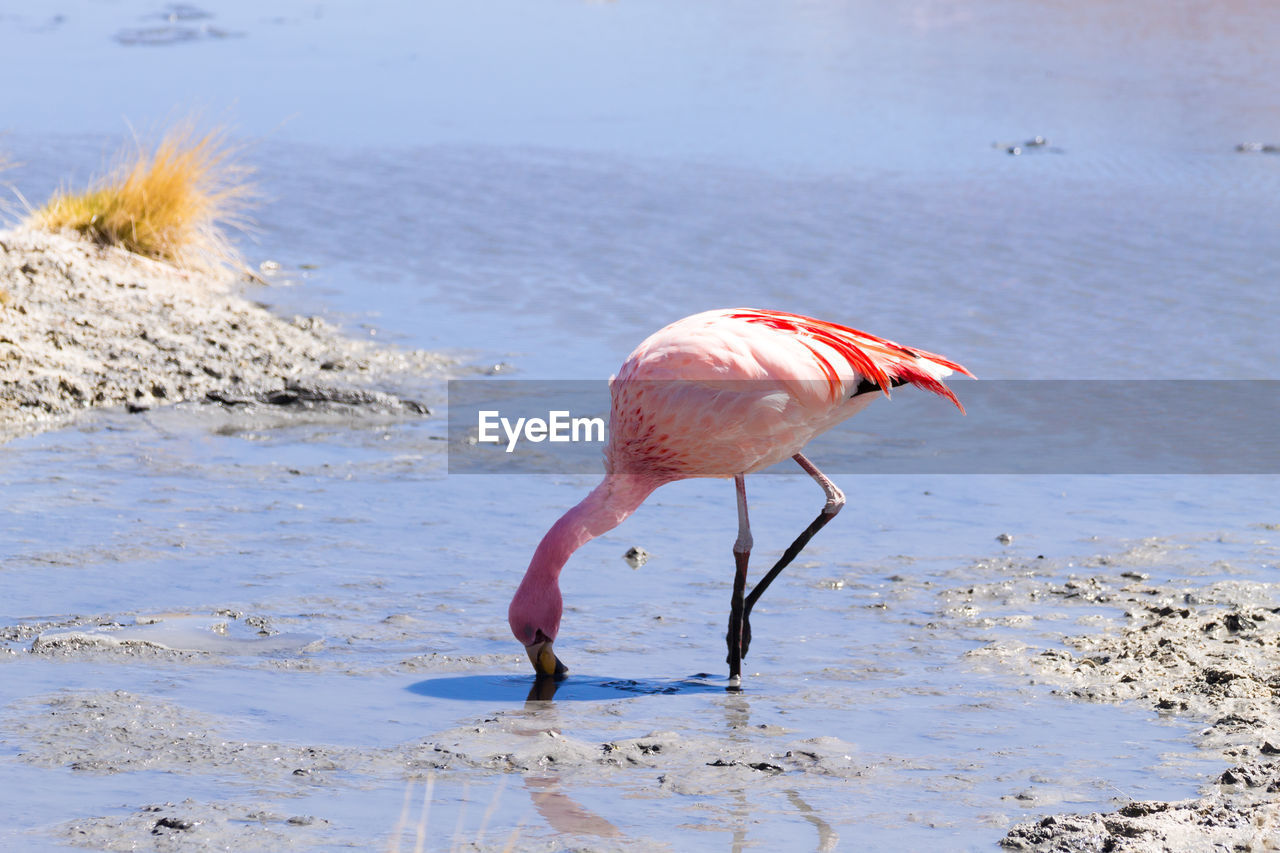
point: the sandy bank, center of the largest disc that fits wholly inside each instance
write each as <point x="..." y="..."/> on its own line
<point x="86" y="326"/>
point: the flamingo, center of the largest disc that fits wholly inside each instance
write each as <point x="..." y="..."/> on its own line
<point x="723" y="393"/>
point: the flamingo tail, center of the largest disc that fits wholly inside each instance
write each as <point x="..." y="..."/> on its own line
<point x="879" y="360"/>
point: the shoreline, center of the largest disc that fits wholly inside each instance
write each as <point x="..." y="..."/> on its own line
<point x="1209" y="654"/>
<point x="85" y="327"/>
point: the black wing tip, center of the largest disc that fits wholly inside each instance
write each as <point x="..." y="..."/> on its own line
<point x="868" y="386"/>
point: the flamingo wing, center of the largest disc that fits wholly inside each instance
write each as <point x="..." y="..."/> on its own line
<point x="883" y="362"/>
<point x="734" y="391"/>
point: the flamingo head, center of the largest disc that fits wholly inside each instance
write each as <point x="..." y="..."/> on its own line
<point x="543" y="657"/>
<point x="535" y="620"/>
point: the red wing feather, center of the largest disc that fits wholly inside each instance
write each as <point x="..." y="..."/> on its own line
<point x="874" y="358"/>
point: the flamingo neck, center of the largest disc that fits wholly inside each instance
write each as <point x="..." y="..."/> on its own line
<point x="537" y="602"/>
<point x="607" y="506"/>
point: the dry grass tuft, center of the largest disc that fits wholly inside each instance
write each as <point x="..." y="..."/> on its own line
<point x="174" y="204"/>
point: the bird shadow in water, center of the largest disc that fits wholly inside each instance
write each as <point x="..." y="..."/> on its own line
<point x="574" y="688"/>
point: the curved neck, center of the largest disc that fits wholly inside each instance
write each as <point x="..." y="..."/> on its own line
<point x="607" y="506"/>
<point x="536" y="607"/>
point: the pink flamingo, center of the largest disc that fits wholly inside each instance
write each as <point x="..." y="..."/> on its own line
<point x="720" y="394"/>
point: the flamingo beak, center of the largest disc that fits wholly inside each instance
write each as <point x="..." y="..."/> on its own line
<point x="545" y="662"/>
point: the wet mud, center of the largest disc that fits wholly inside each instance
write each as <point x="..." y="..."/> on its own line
<point x="1197" y="652"/>
<point x="119" y="732"/>
<point x="192" y="825"/>
<point x="1209" y="654"/>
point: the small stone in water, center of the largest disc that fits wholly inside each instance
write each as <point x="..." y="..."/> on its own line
<point x="171" y="823"/>
<point x="1004" y="538"/>
<point x="636" y="556"/>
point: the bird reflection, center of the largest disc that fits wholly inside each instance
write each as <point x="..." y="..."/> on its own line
<point x="745" y="805"/>
<point x="742" y="805"/>
<point x="828" y="838"/>
<point x="563" y="813"/>
<point x="544" y="689"/>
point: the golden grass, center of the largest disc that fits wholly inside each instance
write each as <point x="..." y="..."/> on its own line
<point x="173" y="204"/>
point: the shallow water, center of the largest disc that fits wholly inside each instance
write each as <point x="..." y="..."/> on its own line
<point x="832" y="159"/>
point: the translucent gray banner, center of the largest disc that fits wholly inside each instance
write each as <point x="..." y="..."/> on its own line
<point x="1011" y="427"/>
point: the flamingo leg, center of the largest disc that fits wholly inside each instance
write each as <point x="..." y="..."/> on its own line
<point x="835" y="500"/>
<point x="741" y="554"/>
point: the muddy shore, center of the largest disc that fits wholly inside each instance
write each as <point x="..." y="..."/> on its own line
<point x="1209" y="654"/>
<point x="85" y="326"/>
